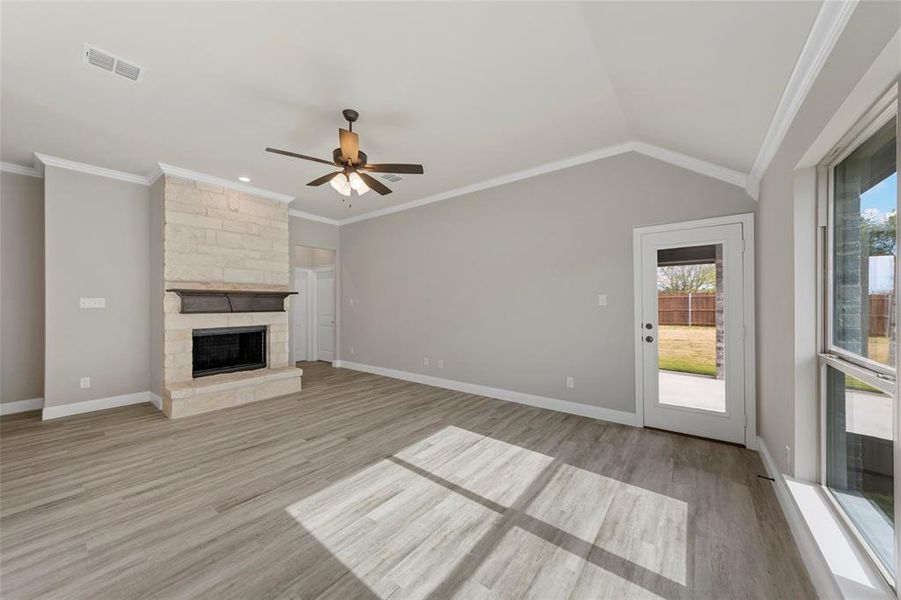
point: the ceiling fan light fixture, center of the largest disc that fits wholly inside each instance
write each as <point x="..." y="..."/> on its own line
<point x="341" y="184"/>
<point x="349" y="158"/>
<point x="357" y="183"/>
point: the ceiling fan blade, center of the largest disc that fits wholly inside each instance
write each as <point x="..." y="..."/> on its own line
<point x="395" y="168"/>
<point x="350" y="145"/>
<point x="375" y="184"/>
<point x="323" y="179"/>
<point x="295" y="155"/>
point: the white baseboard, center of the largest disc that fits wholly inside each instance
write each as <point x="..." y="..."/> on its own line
<point x="156" y="401"/>
<point x="64" y="410"/>
<point x="836" y="565"/>
<point x="10" y="408"/>
<point x="564" y="406"/>
<point x="817" y="568"/>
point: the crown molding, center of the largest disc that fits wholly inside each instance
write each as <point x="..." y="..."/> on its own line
<point x="52" y="161"/>
<point x="174" y="171"/>
<point x="496" y="181"/>
<point x="672" y="157"/>
<point x="19" y="170"/>
<point x="154" y="174"/>
<point x="311" y="217"/>
<point x="824" y="33"/>
<point x="691" y="163"/>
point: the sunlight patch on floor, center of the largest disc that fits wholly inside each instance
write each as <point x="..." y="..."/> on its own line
<point x="493" y="469"/>
<point x="644" y="527"/>
<point x="475" y="514"/>
<point x="524" y="561"/>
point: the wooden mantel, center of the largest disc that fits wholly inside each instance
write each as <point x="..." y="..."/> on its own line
<point x="230" y="301"/>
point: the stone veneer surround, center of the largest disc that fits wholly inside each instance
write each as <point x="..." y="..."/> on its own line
<point x="217" y="238"/>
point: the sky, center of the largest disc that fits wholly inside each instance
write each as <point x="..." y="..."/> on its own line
<point x="882" y="197"/>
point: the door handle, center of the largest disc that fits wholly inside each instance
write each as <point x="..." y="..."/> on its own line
<point x="649" y="339"/>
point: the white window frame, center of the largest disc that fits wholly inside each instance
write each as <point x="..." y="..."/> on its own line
<point x="873" y="373"/>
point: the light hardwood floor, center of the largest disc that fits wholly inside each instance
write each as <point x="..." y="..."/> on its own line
<point x="368" y="487"/>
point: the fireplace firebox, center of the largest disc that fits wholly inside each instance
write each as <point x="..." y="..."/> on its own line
<point x="228" y="349"/>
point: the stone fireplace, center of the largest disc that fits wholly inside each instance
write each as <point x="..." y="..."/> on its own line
<point x="225" y="269"/>
<point x="228" y="350"/>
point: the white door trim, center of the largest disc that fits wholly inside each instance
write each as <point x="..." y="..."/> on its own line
<point x="314" y="285"/>
<point x="750" y="365"/>
<point x="307" y="274"/>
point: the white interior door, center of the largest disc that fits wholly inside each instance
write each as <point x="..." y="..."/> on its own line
<point x="325" y="315"/>
<point x="692" y="356"/>
<point x="300" y="309"/>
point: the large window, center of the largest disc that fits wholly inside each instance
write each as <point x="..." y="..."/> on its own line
<point x="859" y="360"/>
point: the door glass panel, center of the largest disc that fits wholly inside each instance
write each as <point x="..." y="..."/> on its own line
<point x="691" y="328"/>
<point x="863" y="249"/>
<point x="859" y="461"/>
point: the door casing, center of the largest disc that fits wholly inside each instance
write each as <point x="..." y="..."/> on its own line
<point x="749" y="360"/>
<point x="306" y="282"/>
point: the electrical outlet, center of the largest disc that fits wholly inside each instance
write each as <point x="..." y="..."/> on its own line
<point x="425" y="361"/>
<point x="351" y="301"/>
<point x="352" y="351"/>
<point x="440" y="363"/>
<point x="570" y="382"/>
<point x="788" y="458"/>
<point x="602" y="299"/>
<point x="85" y="383"/>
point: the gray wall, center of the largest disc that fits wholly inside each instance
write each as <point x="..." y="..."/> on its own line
<point x="309" y="258"/>
<point x="304" y="232"/>
<point x="21" y="287"/>
<point x="97" y="244"/>
<point x="502" y="284"/>
<point x="313" y="234"/>
<point x="783" y="242"/>
<point x="157" y="283"/>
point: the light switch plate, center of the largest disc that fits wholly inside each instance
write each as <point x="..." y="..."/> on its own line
<point x="92" y="303"/>
<point x="602" y="299"/>
<point x="85" y="383"/>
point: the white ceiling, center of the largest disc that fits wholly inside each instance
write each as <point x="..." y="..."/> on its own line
<point x="471" y="90"/>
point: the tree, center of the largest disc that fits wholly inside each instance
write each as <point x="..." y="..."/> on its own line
<point x="879" y="230"/>
<point x="684" y="279"/>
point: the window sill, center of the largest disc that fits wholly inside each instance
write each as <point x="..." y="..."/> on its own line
<point x="837" y="566"/>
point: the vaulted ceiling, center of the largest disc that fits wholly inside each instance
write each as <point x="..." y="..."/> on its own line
<point x="471" y="90"/>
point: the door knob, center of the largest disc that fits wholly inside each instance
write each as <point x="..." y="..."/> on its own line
<point x="649" y="339"/>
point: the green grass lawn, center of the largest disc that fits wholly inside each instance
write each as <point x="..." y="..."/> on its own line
<point x="693" y="350"/>
<point x="687" y="349"/>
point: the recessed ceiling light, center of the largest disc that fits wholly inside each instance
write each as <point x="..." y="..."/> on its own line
<point x="244" y="179"/>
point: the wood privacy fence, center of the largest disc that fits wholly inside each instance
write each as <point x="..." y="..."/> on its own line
<point x="700" y="309"/>
<point x="686" y="309"/>
<point x="881" y="307"/>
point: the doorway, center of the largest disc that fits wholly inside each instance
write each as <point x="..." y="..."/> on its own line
<point x="313" y="308"/>
<point x="694" y="305"/>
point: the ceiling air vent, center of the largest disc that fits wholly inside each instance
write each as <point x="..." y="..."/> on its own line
<point x="110" y="62"/>
<point x="392" y="177"/>
<point x="128" y="70"/>
<point x="98" y="58"/>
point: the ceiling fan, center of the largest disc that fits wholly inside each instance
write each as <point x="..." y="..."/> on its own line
<point x="354" y="174"/>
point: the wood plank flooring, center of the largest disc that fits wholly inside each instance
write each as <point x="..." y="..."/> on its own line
<point x="367" y="487"/>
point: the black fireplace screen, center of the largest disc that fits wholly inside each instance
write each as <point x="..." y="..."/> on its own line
<point x="229" y="349"/>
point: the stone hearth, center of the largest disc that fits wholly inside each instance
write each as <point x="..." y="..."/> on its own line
<point x="222" y="239"/>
